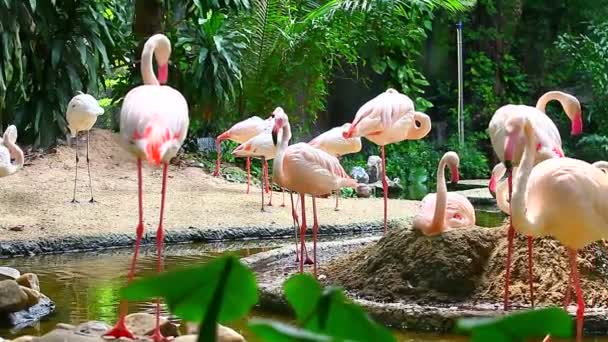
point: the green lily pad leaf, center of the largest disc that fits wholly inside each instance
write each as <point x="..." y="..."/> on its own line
<point x="273" y="331"/>
<point x="224" y="288"/>
<point x="519" y="326"/>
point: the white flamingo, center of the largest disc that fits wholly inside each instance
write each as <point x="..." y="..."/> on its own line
<point x="81" y="116"/>
<point x="8" y="149"/>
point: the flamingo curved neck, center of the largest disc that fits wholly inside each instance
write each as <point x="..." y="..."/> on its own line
<point x="425" y="126"/>
<point x="441" y="199"/>
<point x="147" y="69"/>
<point x="563" y="99"/>
<point x="15" y="151"/>
<point x="277" y="169"/>
<point x="521" y="221"/>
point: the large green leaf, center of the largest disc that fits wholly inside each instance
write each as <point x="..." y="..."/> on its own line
<point x="273" y="331"/>
<point x="519" y="326"/>
<point x="329" y="312"/>
<point x="193" y="293"/>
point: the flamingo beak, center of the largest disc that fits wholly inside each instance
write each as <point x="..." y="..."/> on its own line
<point x="492" y="186"/>
<point x="455" y="176"/>
<point x="163" y="73"/>
<point x="577" y="125"/>
<point x="275" y="139"/>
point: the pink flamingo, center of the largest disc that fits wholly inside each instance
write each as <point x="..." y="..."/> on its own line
<point x="153" y="125"/>
<point x="241" y="132"/>
<point x="549" y="145"/>
<point x="306" y="170"/>
<point x="561" y="197"/>
<point x="444" y="210"/>
<point x="334" y="143"/>
<point x="260" y="146"/>
<point x="388" y="118"/>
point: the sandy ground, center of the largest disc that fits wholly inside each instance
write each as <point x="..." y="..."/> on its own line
<point x="36" y="200"/>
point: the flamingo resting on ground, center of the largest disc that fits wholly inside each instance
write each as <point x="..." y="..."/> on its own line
<point x="334" y="143"/>
<point x="153" y="125"/>
<point x="260" y="146"/>
<point x="565" y="198"/>
<point x="444" y="210"/>
<point x="549" y="145"/>
<point x="8" y="150"/>
<point x="241" y="132"/>
<point x="305" y="170"/>
<point x="388" y="118"/>
<point x="81" y="115"/>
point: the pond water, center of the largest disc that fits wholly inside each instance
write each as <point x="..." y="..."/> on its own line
<point x="85" y="286"/>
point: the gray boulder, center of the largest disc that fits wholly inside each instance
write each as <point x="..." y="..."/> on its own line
<point x="359" y="174"/>
<point x="374" y="168"/>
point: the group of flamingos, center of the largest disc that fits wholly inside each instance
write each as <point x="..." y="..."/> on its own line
<point x="552" y="196"/>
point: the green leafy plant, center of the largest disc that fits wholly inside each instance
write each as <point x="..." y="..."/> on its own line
<point x="519" y="326"/>
<point x="220" y="291"/>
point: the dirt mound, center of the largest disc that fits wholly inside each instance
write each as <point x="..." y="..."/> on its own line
<point x="465" y="265"/>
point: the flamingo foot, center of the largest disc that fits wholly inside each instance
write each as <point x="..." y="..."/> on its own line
<point x="157" y="336"/>
<point x="92" y="200"/>
<point x="74" y="201"/>
<point x="120" y="330"/>
<point x="308" y="261"/>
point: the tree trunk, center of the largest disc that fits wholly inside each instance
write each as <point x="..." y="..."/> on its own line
<point x="148" y="21"/>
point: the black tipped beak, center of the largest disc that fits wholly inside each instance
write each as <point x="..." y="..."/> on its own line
<point x="509" y="166"/>
<point x="274" y="137"/>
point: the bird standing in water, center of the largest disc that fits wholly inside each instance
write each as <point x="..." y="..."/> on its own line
<point x="153" y="126"/>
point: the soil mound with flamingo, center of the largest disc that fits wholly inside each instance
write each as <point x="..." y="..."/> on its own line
<point x="465" y="265"/>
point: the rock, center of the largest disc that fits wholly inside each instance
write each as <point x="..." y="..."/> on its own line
<point x="18" y="228"/>
<point x="29" y="280"/>
<point x="9" y="273"/>
<point x="234" y="174"/>
<point x="63" y="335"/>
<point x="25" y="338"/>
<point x="374" y="168"/>
<point x="65" y="326"/>
<point x="224" y="334"/>
<point x="206" y="144"/>
<point x="31" y="315"/>
<point x="143" y="324"/>
<point x="364" y="190"/>
<point x="92" y="328"/>
<point x="394" y="188"/>
<point x="359" y="174"/>
<point x="33" y="296"/>
<point x="12" y="297"/>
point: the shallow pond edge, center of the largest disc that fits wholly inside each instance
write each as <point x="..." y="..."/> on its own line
<point x="86" y="243"/>
<point x="438" y="318"/>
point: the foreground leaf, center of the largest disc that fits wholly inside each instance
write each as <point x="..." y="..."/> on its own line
<point x="519" y="326"/>
<point x="223" y="287"/>
<point x="273" y="331"/>
<point x="330" y="312"/>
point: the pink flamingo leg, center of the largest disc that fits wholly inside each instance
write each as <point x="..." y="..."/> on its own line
<point x="337" y="197"/>
<point x="530" y="273"/>
<point x="567" y="298"/>
<point x="294" y="214"/>
<point x="315" y="228"/>
<point x="580" y="303"/>
<point x="160" y="238"/>
<point x="263" y="176"/>
<point x="120" y="329"/>
<point x="218" y="148"/>
<point x="302" y="233"/>
<point x="510" y="236"/>
<point x="384" y="187"/>
<point x="296" y="224"/>
<point x="283" y="191"/>
<point x="268" y="189"/>
<point x="248" y="173"/>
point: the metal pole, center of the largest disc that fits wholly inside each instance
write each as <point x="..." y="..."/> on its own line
<point x="460" y="85"/>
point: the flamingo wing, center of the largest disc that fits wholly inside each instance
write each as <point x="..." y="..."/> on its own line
<point x="459" y="211"/>
<point x="259" y="146"/>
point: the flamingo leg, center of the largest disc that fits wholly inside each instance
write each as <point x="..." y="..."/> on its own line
<point x="75" y="171"/>
<point x="580" y="303"/>
<point x="263" y="174"/>
<point x="510" y="236"/>
<point x="283" y="191"/>
<point x="120" y="329"/>
<point x="248" y="173"/>
<point x="384" y="187"/>
<point x="567" y="298"/>
<point x="89" y="169"/>
<point x="307" y="260"/>
<point x="294" y="217"/>
<point x="268" y="188"/>
<point x="160" y="239"/>
<point x="218" y="148"/>
<point x="530" y="273"/>
<point x="302" y="232"/>
<point x="337" y="197"/>
<point x="315" y="229"/>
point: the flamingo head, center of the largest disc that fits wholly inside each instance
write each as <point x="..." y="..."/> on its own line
<point x="514" y="128"/>
<point x="161" y="46"/>
<point x="453" y="161"/>
<point x="280" y="120"/>
<point x="85" y="104"/>
<point x="577" y="124"/>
